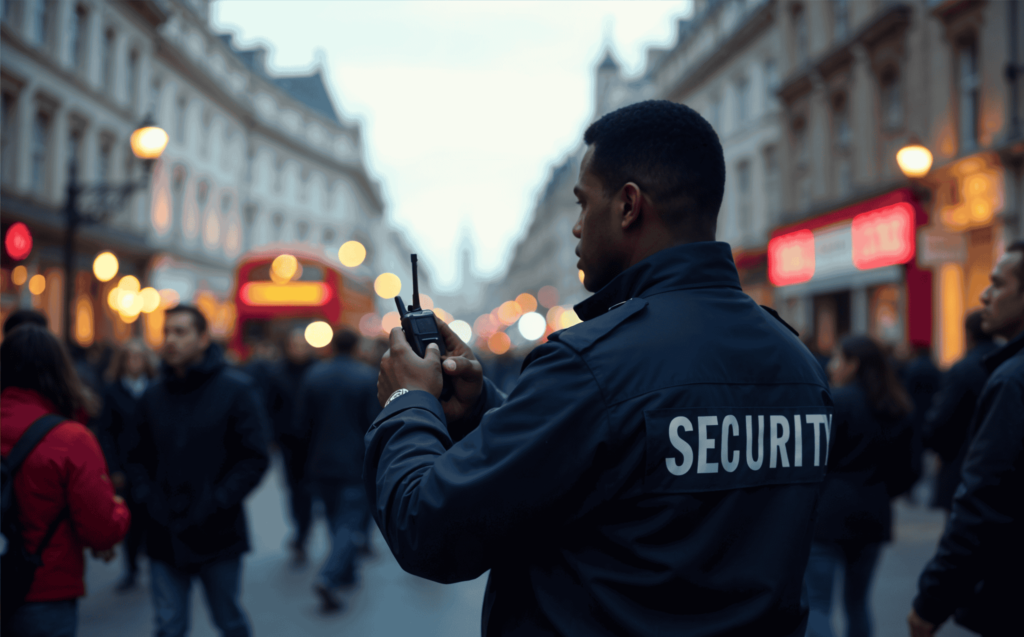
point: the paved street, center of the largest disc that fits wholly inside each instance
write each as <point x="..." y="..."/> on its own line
<point x="390" y="602"/>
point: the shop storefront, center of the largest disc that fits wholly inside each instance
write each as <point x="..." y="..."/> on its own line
<point x="853" y="270"/>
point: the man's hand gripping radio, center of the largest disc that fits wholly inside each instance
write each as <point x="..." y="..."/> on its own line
<point x="420" y="328"/>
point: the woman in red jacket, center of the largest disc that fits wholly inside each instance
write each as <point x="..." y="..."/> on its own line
<point x="65" y="471"/>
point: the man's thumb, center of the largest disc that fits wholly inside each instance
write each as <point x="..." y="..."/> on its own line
<point x="457" y="366"/>
<point x="433" y="353"/>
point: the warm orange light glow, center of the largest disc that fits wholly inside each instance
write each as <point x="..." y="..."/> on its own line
<point x="883" y="237"/>
<point x="105" y="266"/>
<point x="129" y="284"/>
<point x="485" y="326"/>
<point x="509" y="312"/>
<point x="791" y="258"/>
<point x="153" y="328"/>
<point x="169" y="298"/>
<point x="569" y="318"/>
<point x="914" y="160"/>
<point x="369" y="325"/>
<point x="319" y="334"/>
<point x="441" y="314"/>
<point x="554" y="317"/>
<point x="426" y="302"/>
<point x="387" y="285"/>
<point x="19" y="275"/>
<point x="526" y="302"/>
<point x="150" y="300"/>
<point x="390" y="321"/>
<point x="296" y="293"/>
<point x="951" y="308"/>
<point x="283" y="268"/>
<point x="582" y="276"/>
<point x="548" y="296"/>
<point x="84" y="327"/>
<point x="114" y="299"/>
<point x="351" y="254"/>
<point x="499" y="343"/>
<point x="149" y="142"/>
<point x="37" y="284"/>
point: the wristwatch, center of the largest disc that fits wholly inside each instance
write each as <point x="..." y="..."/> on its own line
<point x="398" y="392"/>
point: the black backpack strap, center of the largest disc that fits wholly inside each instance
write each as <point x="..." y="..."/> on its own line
<point x="63" y="515"/>
<point x="32" y="437"/>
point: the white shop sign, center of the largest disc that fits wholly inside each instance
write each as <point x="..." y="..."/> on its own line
<point x="833" y="251"/>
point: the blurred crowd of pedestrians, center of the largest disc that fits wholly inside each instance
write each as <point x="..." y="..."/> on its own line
<point x="180" y="443"/>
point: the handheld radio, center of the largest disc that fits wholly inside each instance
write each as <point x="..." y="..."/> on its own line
<point x="420" y="328"/>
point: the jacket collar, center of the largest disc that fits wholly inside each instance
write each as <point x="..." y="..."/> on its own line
<point x="689" y="266"/>
<point x="1004" y="353"/>
<point x="196" y="375"/>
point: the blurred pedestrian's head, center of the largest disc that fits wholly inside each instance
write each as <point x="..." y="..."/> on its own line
<point x="131" y="360"/>
<point x="1003" y="314"/>
<point x="296" y="348"/>
<point x="264" y="350"/>
<point x="32" y="358"/>
<point x="975" y="330"/>
<point x="20" y="317"/>
<point x="186" y="337"/>
<point x="345" y="341"/>
<point x="653" y="176"/>
<point x="861" y="359"/>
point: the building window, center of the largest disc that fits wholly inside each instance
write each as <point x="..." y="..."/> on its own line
<point x="892" y="101"/>
<point x="304" y="185"/>
<point x="279" y="174"/>
<point x="74" y="150"/>
<point x="202" y="194"/>
<point x="76" y="35"/>
<point x="104" y="160"/>
<point x="40" y="144"/>
<point x="970" y="91"/>
<point x="155" y="91"/>
<point x="841" y="123"/>
<point x="8" y="134"/>
<point x="46" y="16"/>
<point x="328" y="236"/>
<point x="840" y="20"/>
<point x="771" y="179"/>
<point x="301" y="230"/>
<point x="844" y="180"/>
<point x="800" y="144"/>
<point x="743" y="200"/>
<point x="109" y="40"/>
<point x="178" y="193"/>
<point x="229" y="147"/>
<point x="800" y="36"/>
<point x="771" y="82"/>
<point x="742" y="101"/>
<point x="180" y="111"/>
<point x="131" y="79"/>
<point x="204" y="139"/>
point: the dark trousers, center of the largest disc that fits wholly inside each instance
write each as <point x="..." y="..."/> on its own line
<point x="346" y="509"/>
<point x="222" y="585"/>
<point x="136" y="534"/>
<point x="300" y="492"/>
<point x="857" y="563"/>
<point x="43" y="619"/>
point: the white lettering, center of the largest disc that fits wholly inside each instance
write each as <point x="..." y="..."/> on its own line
<point x="729" y="422"/>
<point x="828" y="437"/>
<point x="798" y="442"/>
<point x="816" y="420"/>
<point x="754" y="466"/>
<point x="681" y="445"/>
<point x="704" y="444"/>
<point x="778" y="443"/>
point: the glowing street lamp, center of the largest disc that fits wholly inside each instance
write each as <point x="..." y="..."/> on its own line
<point x="105" y="266"/>
<point x="149" y="140"/>
<point x="914" y="160"/>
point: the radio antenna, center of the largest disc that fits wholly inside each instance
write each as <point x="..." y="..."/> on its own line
<point x="415" y="286"/>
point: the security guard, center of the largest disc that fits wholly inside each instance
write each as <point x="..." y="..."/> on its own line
<point x="656" y="469"/>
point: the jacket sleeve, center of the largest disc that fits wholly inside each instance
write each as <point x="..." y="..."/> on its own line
<point x="104" y="424"/>
<point x="248" y="455"/>
<point x="942" y="430"/>
<point x="100" y="520"/>
<point x="984" y="506"/>
<point x="449" y="510"/>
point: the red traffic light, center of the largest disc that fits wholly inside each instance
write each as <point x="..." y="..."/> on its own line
<point x="18" y="241"/>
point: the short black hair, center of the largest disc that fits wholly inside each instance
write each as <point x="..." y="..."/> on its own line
<point x="972" y="325"/>
<point x="197" y="317"/>
<point x="345" y="340"/>
<point x="21" y="317"/>
<point x="667" y="149"/>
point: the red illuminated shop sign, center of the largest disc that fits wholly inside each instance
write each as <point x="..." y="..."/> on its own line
<point x="881" y="231"/>
<point x="883" y="237"/>
<point x="18" y="241"/>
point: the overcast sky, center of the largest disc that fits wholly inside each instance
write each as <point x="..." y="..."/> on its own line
<point x="464" y="105"/>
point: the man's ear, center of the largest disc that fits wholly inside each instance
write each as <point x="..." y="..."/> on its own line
<point x="632" y="201"/>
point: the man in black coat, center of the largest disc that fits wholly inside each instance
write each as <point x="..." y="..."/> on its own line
<point x="921" y="379"/>
<point x="948" y="422"/>
<point x="976" y="569"/>
<point x="201" y="449"/>
<point x="336" y="404"/>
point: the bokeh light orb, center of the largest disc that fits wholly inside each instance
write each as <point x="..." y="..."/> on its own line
<point x="387" y="285"/>
<point x="351" y="254"/>
<point x="484" y="326"/>
<point x="582" y="276"/>
<point x="914" y="160"/>
<point x="18" y="241"/>
<point x="527" y="303"/>
<point x="532" y="325"/>
<point x="319" y="334"/>
<point x="369" y="325"/>
<point x="509" y="312"/>
<point x="569" y="318"/>
<point x="129" y="284"/>
<point x="548" y="296"/>
<point x="150" y="300"/>
<point x="37" y="284"/>
<point x="105" y="266"/>
<point x="283" y="268"/>
<point x="462" y="329"/>
<point x="499" y="343"/>
<point x="390" y="321"/>
<point x="19" y="275"/>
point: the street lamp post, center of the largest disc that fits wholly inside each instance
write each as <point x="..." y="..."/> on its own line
<point x="148" y="142"/>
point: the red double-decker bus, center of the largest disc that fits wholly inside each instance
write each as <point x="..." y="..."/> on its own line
<point x="319" y="290"/>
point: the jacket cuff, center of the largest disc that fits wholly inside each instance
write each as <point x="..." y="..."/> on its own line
<point x="414" y="399"/>
<point x="931" y="610"/>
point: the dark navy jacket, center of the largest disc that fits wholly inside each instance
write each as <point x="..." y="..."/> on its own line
<point x="655" y="470"/>
<point x="977" y="568"/>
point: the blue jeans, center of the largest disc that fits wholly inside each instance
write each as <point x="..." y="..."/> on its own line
<point x="857" y="562"/>
<point x="43" y="619"/>
<point x="221" y="584"/>
<point x="345" y="506"/>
